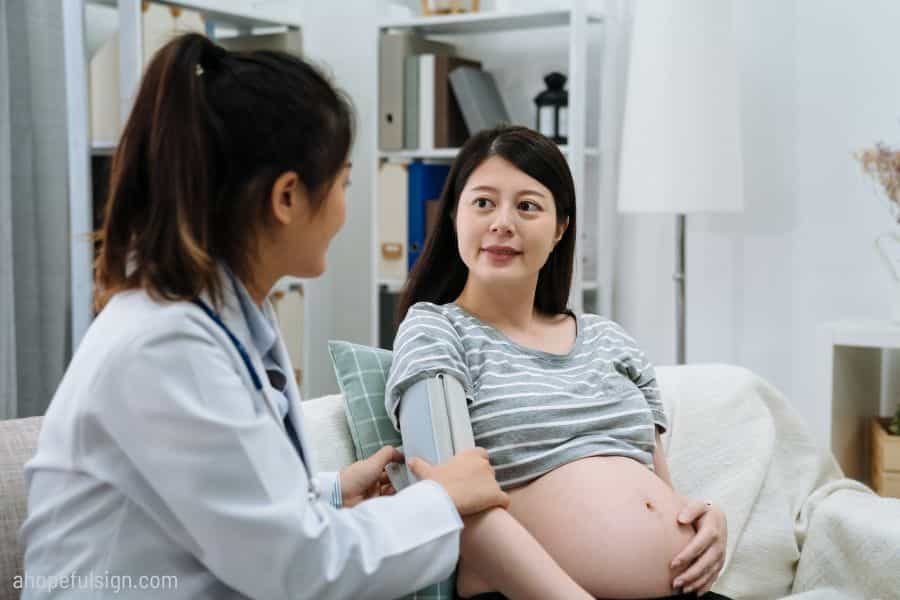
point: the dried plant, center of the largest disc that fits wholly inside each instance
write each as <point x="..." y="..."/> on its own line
<point x="883" y="164"/>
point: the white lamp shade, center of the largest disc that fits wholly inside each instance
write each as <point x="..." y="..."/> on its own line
<point x="681" y="150"/>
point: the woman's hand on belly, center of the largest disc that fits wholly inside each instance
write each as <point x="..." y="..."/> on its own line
<point x="609" y="522"/>
<point x="704" y="557"/>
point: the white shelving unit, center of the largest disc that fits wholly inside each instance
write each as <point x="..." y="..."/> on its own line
<point x="852" y="378"/>
<point x="589" y="163"/>
<point x="223" y="18"/>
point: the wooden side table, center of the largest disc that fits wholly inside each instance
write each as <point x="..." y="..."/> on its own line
<point x="850" y="369"/>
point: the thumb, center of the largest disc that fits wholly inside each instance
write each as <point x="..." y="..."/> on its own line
<point x="385" y="455"/>
<point x="691" y="512"/>
<point x="420" y="468"/>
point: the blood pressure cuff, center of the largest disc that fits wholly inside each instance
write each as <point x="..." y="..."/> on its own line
<point x="434" y="424"/>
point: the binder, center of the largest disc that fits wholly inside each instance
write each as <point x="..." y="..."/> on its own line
<point x="411" y="102"/>
<point x="288" y="302"/>
<point x="392" y="228"/>
<point x="426" y="181"/>
<point x="393" y="48"/>
<point x="426" y="101"/>
<point x="478" y="97"/>
<point x="387" y="309"/>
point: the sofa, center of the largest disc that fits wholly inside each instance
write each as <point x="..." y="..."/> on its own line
<point x="797" y="527"/>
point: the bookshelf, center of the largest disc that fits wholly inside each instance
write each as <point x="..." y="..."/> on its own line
<point x="89" y="151"/>
<point x="585" y="45"/>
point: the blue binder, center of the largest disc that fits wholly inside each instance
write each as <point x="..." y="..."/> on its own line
<point x="425" y="183"/>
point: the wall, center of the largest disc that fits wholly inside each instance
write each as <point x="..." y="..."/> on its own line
<point x="817" y="83"/>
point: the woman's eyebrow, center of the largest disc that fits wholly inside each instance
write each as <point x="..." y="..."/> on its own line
<point x="487" y="188"/>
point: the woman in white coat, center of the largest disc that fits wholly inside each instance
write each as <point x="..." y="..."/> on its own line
<point x="172" y="458"/>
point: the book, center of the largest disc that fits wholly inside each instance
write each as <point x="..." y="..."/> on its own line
<point x="450" y="129"/>
<point x="431" y="114"/>
<point x="426" y="182"/>
<point x="478" y="97"/>
<point x="393" y="48"/>
<point x="392" y="227"/>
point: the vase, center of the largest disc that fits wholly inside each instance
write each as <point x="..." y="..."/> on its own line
<point x="888" y="247"/>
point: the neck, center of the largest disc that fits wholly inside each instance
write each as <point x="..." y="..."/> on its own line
<point x="260" y="280"/>
<point x="500" y="305"/>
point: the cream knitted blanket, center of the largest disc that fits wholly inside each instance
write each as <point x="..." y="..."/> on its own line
<point x="796" y="525"/>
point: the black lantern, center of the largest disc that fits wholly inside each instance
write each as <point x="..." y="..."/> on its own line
<point x="553" y="109"/>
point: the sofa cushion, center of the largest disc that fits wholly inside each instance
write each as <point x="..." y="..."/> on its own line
<point x="18" y="440"/>
<point x="361" y="374"/>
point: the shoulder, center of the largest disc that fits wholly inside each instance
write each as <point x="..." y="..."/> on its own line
<point x="600" y="328"/>
<point x="429" y="309"/>
<point x="138" y="347"/>
<point x="430" y="315"/>
<point x="134" y="326"/>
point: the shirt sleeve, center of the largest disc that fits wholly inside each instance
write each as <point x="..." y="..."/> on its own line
<point x="642" y="373"/>
<point x="175" y="423"/>
<point x="329" y="484"/>
<point x="426" y="345"/>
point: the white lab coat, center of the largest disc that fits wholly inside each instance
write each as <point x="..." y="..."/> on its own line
<point x="157" y="457"/>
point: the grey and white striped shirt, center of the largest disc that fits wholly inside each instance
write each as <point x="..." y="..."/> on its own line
<point x="534" y="411"/>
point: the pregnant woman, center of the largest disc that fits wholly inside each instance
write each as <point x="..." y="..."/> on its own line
<point x="566" y="405"/>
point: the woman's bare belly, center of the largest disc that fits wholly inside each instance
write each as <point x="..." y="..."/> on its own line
<point x="609" y="522"/>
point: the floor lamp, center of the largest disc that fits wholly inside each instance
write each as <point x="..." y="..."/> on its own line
<point x="681" y="151"/>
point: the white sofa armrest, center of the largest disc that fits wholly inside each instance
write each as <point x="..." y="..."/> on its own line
<point x="325" y="426"/>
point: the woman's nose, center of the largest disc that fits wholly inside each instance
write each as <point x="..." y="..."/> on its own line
<point x="502" y="222"/>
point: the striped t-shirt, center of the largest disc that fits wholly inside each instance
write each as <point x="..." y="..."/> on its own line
<point x="534" y="411"/>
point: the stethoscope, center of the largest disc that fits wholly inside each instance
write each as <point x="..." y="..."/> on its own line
<point x="257" y="382"/>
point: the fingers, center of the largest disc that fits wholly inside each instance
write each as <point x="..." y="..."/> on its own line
<point x="385" y="455"/>
<point x="705" y="583"/>
<point x="699" y="572"/>
<point x="693" y="511"/>
<point x="419" y="467"/>
<point x="697" y="546"/>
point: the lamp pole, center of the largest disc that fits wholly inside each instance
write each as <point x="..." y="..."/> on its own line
<point x="679" y="278"/>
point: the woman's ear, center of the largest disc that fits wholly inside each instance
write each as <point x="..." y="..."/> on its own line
<point x="288" y="199"/>
<point x="561" y="230"/>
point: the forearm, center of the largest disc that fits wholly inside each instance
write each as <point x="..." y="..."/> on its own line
<point x="660" y="465"/>
<point x="507" y="557"/>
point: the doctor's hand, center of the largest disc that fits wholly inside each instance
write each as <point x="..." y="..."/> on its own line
<point x="702" y="559"/>
<point x="367" y="478"/>
<point x="468" y="478"/>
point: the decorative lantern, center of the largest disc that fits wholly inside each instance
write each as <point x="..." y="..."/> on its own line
<point x="553" y="109"/>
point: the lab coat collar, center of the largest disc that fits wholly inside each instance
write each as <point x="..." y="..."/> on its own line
<point x="233" y="316"/>
<point x="293" y="392"/>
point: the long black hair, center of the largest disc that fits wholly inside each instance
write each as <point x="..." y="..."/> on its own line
<point x="209" y="134"/>
<point x="439" y="274"/>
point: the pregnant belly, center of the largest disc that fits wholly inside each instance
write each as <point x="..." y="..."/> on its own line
<point x="609" y="522"/>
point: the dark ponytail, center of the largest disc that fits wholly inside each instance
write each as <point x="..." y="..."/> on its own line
<point x="209" y="133"/>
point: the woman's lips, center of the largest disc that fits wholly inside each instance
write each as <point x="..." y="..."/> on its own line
<point x="501" y="256"/>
